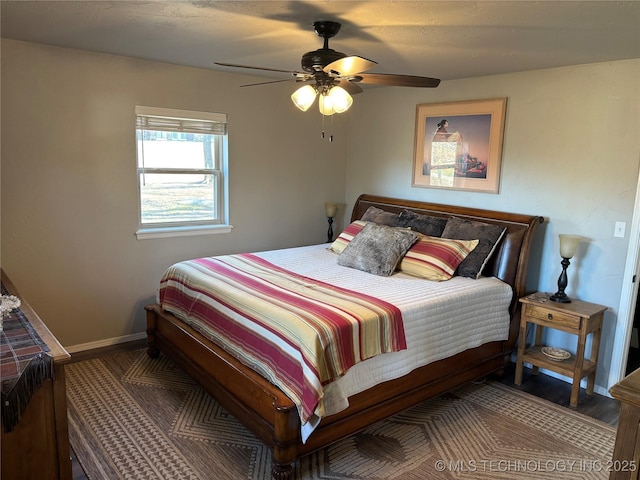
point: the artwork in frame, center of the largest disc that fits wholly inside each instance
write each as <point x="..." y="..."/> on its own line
<point x="458" y="145"/>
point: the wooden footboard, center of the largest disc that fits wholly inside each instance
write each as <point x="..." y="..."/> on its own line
<point x="273" y="417"/>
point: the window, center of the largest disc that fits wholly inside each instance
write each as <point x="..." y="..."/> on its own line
<point x="181" y="168"/>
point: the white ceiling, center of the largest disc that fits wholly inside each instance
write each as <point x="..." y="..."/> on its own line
<point x="443" y="39"/>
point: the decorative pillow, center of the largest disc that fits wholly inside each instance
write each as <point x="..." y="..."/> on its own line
<point x="436" y="258"/>
<point x="425" y="224"/>
<point x="377" y="249"/>
<point x="489" y="236"/>
<point x="340" y="243"/>
<point x="377" y="215"/>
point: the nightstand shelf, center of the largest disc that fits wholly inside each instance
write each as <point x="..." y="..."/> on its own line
<point x="534" y="356"/>
<point x="579" y="318"/>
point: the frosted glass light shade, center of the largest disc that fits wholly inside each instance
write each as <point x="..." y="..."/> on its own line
<point x="569" y="245"/>
<point x="326" y="105"/>
<point x="340" y="99"/>
<point x="330" y="209"/>
<point x="304" y="97"/>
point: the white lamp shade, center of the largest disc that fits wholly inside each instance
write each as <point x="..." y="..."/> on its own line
<point x="304" y="97"/>
<point x="340" y="99"/>
<point x="326" y="105"/>
<point x="569" y="245"/>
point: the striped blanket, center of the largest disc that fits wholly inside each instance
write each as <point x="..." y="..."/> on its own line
<point x="298" y="332"/>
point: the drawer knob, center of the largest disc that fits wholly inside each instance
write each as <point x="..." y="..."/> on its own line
<point x="550" y="316"/>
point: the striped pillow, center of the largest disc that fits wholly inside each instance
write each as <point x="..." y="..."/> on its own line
<point x="340" y="243"/>
<point x="436" y="258"/>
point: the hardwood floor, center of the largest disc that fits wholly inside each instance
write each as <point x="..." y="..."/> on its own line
<point x="76" y="469"/>
<point x="558" y="391"/>
<point x="552" y="389"/>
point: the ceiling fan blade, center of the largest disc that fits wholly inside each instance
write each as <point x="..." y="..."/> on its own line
<point x="291" y="72"/>
<point x="350" y="87"/>
<point x="350" y="65"/>
<point x="267" y="83"/>
<point x="397" y="80"/>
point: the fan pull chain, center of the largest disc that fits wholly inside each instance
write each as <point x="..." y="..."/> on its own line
<point x="323" y="134"/>
<point x="331" y="129"/>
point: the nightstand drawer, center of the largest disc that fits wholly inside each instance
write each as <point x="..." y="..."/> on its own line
<point x="558" y="318"/>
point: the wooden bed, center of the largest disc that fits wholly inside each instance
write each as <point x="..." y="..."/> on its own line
<point x="273" y="417"/>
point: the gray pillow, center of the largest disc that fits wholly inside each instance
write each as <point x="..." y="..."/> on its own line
<point x="489" y="236"/>
<point x="377" y="215"/>
<point x="425" y="224"/>
<point x="377" y="249"/>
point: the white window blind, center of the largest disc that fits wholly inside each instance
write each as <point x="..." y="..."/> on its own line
<point x="153" y="119"/>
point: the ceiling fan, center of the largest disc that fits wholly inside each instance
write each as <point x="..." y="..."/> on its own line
<point x="333" y="76"/>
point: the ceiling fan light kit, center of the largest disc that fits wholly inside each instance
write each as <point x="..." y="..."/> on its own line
<point x="333" y="76"/>
<point x="331" y="100"/>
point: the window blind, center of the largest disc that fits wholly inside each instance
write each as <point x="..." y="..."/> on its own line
<point x="149" y="118"/>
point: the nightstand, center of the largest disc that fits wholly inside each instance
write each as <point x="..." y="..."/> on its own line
<point x="579" y="318"/>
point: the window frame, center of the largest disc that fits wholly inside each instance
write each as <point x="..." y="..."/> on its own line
<point x="149" y="115"/>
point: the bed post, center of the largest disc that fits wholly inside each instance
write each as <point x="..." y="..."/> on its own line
<point x="285" y="441"/>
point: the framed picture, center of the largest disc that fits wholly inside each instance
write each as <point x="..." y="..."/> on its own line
<point x="458" y="145"/>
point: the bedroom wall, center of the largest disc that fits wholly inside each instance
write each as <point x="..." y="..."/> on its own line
<point x="68" y="192"/>
<point x="571" y="154"/>
<point x="68" y="189"/>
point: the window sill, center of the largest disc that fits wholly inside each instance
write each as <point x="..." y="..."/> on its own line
<point x="168" y="232"/>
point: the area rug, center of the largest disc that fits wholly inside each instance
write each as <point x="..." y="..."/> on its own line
<point x="133" y="417"/>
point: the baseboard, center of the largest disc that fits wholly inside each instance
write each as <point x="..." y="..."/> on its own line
<point x="108" y="342"/>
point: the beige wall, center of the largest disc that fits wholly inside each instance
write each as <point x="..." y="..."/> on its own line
<point x="69" y="208"/>
<point x="571" y="154"/>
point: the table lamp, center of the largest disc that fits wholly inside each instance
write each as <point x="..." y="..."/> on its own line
<point x="330" y="209"/>
<point x="568" y="247"/>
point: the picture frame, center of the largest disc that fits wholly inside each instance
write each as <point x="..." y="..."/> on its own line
<point x="458" y="145"/>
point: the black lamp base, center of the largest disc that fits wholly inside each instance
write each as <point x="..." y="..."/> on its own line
<point x="560" y="297"/>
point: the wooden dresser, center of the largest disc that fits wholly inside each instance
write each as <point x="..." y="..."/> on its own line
<point x="626" y="454"/>
<point x="38" y="447"/>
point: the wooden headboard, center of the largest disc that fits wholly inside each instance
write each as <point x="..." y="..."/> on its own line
<point x="509" y="262"/>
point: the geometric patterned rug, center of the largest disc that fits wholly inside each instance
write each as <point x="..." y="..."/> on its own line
<point x="133" y="417"/>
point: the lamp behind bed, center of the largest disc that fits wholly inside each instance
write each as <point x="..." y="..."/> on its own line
<point x="330" y="209"/>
